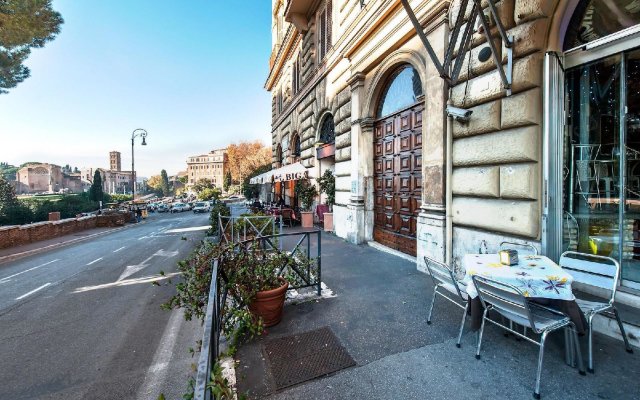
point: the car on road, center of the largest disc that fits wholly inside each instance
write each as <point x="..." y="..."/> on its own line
<point x="179" y="207"/>
<point x="162" y="208"/>
<point x="201" y="207"/>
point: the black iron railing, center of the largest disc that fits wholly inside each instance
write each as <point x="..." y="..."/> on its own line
<point x="234" y="229"/>
<point x="309" y="275"/>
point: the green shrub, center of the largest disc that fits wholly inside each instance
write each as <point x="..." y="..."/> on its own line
<point x="218" y="209"/>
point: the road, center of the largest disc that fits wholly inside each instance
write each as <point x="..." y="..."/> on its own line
<point x="84" y="321"/>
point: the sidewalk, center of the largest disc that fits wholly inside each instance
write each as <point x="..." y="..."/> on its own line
<point x="379" y="315"/>
<point x="14" y="253"/>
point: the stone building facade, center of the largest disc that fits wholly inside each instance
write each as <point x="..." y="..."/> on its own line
<point x="46" y="178"/>
<point x="543" y="165"/>
<point x="212" y="166"/>
<point x="115" y="161"/>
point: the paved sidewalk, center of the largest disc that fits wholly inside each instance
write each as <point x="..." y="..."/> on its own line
<point x="379" y="315"/>
<point x="14" y="253"/>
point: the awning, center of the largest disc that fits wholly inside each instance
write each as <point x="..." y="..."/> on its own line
<point x="289" y="172"/>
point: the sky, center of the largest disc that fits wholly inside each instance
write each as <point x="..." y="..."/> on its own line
<point x="191" y="73"/>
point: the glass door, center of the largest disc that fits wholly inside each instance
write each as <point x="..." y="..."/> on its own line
<point x="601" y="161"/>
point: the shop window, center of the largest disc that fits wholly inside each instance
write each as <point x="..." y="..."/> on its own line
<point x="324" y="30"/>
<point x="279" y="156"/>
<point x="327" y="130"/>
<point x="295" y="148"/>
<point x="594" y="19"/>
<point x="403" y="90"/>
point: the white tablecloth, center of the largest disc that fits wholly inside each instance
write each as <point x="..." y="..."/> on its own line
<point x="535" y="276"/>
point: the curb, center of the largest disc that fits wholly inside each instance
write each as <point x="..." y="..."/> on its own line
<point x="13" y="257"/>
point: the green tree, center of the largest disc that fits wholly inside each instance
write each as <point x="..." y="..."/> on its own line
<point x="227" y="181"/>
<point x="164" y="183"/>
<point x="95" y="192"/>
<point x="7" y="194"/>
<point x="24" y="24"/>
<point x="203" y="184"/>
<point x="209" y="194"/>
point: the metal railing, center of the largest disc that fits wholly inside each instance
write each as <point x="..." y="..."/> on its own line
<point x="235" y="229"/>
<point x="210" y="349"/>
<point x="299" y="243"/>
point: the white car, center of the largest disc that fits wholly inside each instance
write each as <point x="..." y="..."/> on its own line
<point x="178" y="207"/>
<point x="201" y="207"/>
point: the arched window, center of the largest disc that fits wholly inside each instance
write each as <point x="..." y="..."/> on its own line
<point x="327" y="130"/>
<point x="295" y="147"/>
<point x="594" y="19"/>
<point x="279" y="156"/>
<point x="402" y="90"/>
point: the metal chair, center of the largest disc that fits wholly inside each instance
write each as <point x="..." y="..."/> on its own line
<point x="529" y="247"/>
<point x="511" y="303"/>
<point x="443" y="277"/>
<point x="287" y="216"/>
<point x="600" y="272"/>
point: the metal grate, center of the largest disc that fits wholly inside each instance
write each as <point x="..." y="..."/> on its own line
<point x="302" y="357"/>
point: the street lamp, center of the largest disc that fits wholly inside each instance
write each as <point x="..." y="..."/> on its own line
<point x="143" y="134"/>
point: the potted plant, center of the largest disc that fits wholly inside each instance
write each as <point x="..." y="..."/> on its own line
<point x="306" y="193"/>
<point x="327" y="183"/>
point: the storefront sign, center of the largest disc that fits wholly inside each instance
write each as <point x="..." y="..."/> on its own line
<point x="293" y="176"/>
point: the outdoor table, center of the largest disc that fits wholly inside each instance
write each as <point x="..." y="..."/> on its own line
<point x="540" y="279"/>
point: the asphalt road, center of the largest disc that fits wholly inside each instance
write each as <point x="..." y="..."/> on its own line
<point x="84" y="321"/>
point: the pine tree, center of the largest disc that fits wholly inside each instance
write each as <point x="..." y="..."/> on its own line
<point x="7" y="194"/>
<point x="96" y="193"/>
<point x="164" y="185"/>
<point x="227" y="181"/>
<point x="24" y="24"/>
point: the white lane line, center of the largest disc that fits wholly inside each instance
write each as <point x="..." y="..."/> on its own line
<point x="191" y="229"/>
<point x="117" y="250"/>
<point x="157" y="371"/>
<point x="144" y="237"/>
<point x="27" y="270"/>
<point x="33" y="291"/>
<point x="95" y="261"/>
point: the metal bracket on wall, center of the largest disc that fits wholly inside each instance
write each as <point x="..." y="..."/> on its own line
<point x="451" y="73"/>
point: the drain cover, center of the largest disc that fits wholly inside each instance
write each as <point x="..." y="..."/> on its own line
<point x="299" y="358"/>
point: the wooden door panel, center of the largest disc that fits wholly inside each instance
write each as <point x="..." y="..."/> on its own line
<point x="378" y="149"/>
<point x="378" y="132"/>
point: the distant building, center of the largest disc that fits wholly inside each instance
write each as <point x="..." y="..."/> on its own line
<point x="112" y="181"/>
<point x="212" y="166"/>
<point x="115" y="161"/>
<point x="44" y="177"/>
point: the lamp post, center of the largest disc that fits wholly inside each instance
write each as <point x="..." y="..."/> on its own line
<point x="143" y="134"/>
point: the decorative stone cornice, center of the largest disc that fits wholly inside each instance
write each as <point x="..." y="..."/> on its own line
<point x="356" y="80"/>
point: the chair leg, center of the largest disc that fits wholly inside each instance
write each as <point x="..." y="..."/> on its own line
<point x="627" y="346"/>
<point x="536" y="393"/>
<point x="576" y="347"/>
<point x="433" y="300"/>
<point x="464" y="318"/>
<point x="484" y="317"/>
<point x="590" y="339"/>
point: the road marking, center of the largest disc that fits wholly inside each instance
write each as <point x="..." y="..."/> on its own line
<point x="127" y="282"/>
<point x="27" y="270"/>
<point x="144" y="237"/>
<point x="132" y="269"/>
<point x="117" y="250"/>
<point x="157" y="371"/>
<point x="191" y="229"/>
<point x="95" y="261"/>
<point x="33" y="291"/>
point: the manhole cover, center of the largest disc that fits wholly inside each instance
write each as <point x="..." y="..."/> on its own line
<point x="298" y="358"/>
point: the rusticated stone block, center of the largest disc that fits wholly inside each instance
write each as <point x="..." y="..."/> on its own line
<point x="509" y="146"/>
<point x="477" y="181"/>
<point x="528" y="10"/>
<point x="520" y="181"/>
<point x="484" y="119"/>
<point x="522" y="109"/>
<point x="529" y="37"/>
<point x="509" y="216"/>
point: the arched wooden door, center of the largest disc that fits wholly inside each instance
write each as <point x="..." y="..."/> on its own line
<point x="397" y="153"/>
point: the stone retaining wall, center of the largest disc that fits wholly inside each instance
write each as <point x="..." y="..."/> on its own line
<point x="17" y="235"/>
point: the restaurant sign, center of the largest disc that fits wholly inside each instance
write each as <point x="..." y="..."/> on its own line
<point x="291" y="176"/>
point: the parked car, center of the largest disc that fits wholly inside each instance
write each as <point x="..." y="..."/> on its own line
<point x="179" y="207"/>
<point x="201" y="207"/>
<point x="162" y="208"/>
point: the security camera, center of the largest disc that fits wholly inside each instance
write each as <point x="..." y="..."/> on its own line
<point x="459" y="114"/>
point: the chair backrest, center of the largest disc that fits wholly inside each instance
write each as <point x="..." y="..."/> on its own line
<point x="513" y="245"/>
<point x="508" y="300"/>
<point x="286" y="213"/>
<point x="592" y="270"/>
<point x="441" y="273"/>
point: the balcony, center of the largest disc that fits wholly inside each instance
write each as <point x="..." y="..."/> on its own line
<point x="296" y="12"/>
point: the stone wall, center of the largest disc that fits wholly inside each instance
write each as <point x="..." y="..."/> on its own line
<point x="18" y="235"/>
<point x="497" y="155"/>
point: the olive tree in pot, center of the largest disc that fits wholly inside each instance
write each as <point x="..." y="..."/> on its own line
<point x="327" y="183"/>
<point x="306" y="192"/>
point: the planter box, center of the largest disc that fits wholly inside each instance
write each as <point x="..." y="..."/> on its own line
<point x="328" y="222"/>
<point x="307" y="219"/>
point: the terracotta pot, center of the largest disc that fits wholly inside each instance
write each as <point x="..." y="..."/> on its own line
<point x="269" y="303"/>
<point x="307" y="219"/>
<point x="328" y="222"/>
